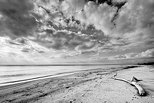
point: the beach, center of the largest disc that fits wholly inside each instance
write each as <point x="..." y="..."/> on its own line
<point x="85" y="86"/>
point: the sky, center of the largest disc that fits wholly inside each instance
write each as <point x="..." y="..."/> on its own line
<point x="45" y="31"/>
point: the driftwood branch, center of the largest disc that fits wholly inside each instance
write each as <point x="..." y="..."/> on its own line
<point x="134" y="82"/>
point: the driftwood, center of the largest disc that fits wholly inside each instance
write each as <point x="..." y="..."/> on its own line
<point x="134" y="82"/>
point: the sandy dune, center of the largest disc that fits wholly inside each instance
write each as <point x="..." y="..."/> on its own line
<point x="91" y="86"/>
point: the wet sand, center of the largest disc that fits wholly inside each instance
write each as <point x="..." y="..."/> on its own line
<point x="87" y="86"/>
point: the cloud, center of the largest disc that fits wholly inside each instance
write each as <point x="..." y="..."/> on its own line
<point x="98" y="15"/>
<point x="72" y="6"/>
<point x="80" y="25"/>
<point x="22" y="51"/>
<point x="136" y="21"/>
<point x="16" y="17"/>
<point x="145" y="54"/>
<point x="122" y="22"/>
<point x="62" y="40"/>
<point x="86" y="35"/>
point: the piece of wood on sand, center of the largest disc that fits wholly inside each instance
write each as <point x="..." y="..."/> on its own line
<point x="134" y="82"/>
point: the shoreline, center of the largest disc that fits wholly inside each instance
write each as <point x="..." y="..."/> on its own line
<point x="53" y="75"/>
<point x="32" y="79"/>
<point x="63" y="88"/>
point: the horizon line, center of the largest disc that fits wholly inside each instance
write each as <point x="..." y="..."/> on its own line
<point x="79" y="64"/>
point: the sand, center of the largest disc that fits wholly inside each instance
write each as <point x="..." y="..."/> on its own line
<point x="88" y="86"/>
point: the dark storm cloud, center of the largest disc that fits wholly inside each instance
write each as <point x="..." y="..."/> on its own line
<point x="16" y="17"/>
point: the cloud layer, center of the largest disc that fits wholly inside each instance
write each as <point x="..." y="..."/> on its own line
<point x="16" y="19"/>
<point x="129" y="21"/>
<point x="80" y="25"/>
<point x="145" y="54"/>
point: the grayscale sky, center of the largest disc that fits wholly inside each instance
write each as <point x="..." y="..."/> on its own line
<point x="48" y="31"/>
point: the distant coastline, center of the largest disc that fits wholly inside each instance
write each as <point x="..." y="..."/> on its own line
<point x="95" y="64"/>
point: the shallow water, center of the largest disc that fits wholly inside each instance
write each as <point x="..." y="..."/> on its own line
<point x="16" y="73"/>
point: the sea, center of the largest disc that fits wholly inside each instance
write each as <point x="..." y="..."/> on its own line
<point x="17" y="74"/>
